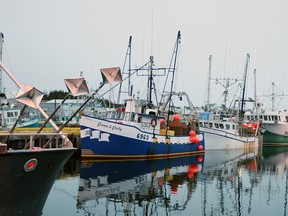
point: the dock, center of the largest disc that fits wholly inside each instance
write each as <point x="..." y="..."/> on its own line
<point x="73" y="134"/>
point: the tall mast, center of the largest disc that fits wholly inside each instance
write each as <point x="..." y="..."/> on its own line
<point x="209" y="77"/>
<point x="175" y="53"/>
<point x="129" y="91"/>
<point x="150" y="84"/>
<point x="244" y="84"/>
<point x="1" y="46"/>
<point x="255" y="93"/>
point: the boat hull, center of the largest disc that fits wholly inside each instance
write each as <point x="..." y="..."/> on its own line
<point x="275" y="134"/>
<point x="109" y="139"/>
<point x="217" y="140"/>
<point x="24" y="189"/>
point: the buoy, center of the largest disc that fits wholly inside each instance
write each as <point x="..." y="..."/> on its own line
<point x="255" y="124"/>
<point x="244" y="125"/>
<point x="192" y="133"/>
<point x="162" y="121"/>
<point x="200" y="148"/>
<point x="249" y="125"/>
<point x="233" y="119"/>
<point x="176" y="117"/>
<point x="194" y="139"/>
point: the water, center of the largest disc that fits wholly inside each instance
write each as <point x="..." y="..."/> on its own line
<point x="218" y="183"/>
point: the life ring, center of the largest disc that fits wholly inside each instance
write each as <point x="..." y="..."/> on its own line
<point x="154" y="122"/>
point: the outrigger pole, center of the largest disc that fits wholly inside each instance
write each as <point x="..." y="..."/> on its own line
<point x="30" y="96"/>
<point x="76" y="87"/>
<point x="109" y="75"/>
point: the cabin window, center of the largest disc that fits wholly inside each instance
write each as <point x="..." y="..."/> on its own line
<point x="152" y="113"/>
<point x="210" y="124"/>
<point x="227" y="126"/>
<point x="216" y="125"/>
<point x="233" y="127"/>
<point x="221" y="126"/>
<point x="16" y="114"/>
<point x="261" y="117"/>
<point x="9" y="114"/>
<point x="265" y="118"/>
<point x="200" y="124"/>
<point x="205" y="124"/>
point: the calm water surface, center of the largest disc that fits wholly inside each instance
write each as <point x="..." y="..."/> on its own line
<point x="217" y="183"/>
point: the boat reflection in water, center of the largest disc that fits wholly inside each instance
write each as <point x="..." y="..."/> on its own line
<point x="141" y="183"/>
<point x="156" y="187"/>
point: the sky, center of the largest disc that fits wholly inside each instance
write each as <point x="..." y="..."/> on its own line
<point x="47" y="41"/>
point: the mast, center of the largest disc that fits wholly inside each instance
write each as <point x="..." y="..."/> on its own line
<point x="129" y="91"/>
<point x="255" y="93"/>
<point x="1" y="46"/>
<point x="209" y="77"/>
<point x="244" y="84"/>
<point x="150" y="84"/>
<point x="175" y="53"/>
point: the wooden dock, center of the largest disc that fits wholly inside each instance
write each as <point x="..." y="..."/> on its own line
<point x="73" y="134"/>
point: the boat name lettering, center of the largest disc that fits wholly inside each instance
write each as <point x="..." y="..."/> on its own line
<point x="145" y="125"/>
<point x="100" y="124"/>
<point x="113" y="127"/>
<point x="142" y="136"/>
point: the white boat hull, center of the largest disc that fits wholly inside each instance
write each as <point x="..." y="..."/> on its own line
<point x="217" y="139"/>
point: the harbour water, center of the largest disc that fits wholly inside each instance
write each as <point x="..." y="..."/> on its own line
<point x="216" y="183"/>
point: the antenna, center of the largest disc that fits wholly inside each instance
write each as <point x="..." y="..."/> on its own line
<point x="152" y="21"/>
<point x="1" y="45"/>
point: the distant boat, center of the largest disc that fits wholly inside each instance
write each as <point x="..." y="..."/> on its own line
<point x="273" y="127"/>
<point x="9" y="116"/>
<point x="273" y="122"/>
<point x="223" y="129"/>
<point x="224" y="133"/>
<point x="139" y="131"/>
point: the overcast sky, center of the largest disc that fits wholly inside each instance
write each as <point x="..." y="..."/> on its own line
<point x="47" y="41"/>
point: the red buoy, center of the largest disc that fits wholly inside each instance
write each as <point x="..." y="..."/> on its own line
<point x="200" y="148"/>
<point x="192" y="133"/>
<point x="176" y="117"/>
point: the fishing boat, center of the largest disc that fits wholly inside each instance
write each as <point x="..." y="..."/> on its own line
<point x="273" y="126"/>
<point x="27" y="174"/>
<point x="29" y="162"/>
<point x="139" y="130"/>
<point x="224" y="129"/>
<point x="29" y="166"/>
<point x="9" y="116"/>
<point x="273" y="121"/>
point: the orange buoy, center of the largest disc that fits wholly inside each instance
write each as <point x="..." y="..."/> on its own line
<point x="244" y="125"/>
<point x="192" y="133"/>
<point x="200" y="148"/>
<point x="176" y="117"/>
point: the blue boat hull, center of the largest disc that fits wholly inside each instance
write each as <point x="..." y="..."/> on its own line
<point x="120" y="145"/>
